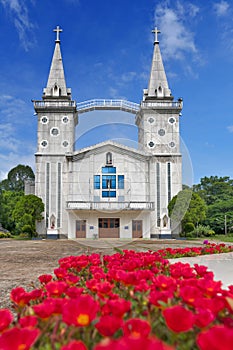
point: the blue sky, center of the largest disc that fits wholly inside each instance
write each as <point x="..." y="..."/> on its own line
<point x="107" y="50"/>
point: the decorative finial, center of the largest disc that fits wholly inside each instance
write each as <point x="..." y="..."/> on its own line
<point x="156" y="31"/>
<point x="58" y="30"/>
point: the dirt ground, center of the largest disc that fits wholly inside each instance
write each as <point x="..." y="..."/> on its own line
<point x="23" y="261"/>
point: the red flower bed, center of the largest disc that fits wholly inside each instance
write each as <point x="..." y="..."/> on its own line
<point x="125" y="301"/>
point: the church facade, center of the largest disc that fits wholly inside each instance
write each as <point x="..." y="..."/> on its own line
<point x="107" y="190"/>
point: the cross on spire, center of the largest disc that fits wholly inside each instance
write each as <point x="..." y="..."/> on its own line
<point x="156" y="31"/>
<point x="58" y="30"/>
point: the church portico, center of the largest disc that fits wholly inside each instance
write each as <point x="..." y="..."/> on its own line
<point x="94" y="225"/>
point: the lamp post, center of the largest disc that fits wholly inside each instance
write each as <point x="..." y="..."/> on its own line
<point x="225" y="224"/>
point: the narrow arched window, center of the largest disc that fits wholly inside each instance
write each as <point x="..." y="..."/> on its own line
<point x="56" y="90"/>
<point x="109" y="158"/>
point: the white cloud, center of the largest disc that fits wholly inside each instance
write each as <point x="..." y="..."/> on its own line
<point x="230" y="128"/>
<point x="178" y="39"/>
<point x="7" y="140"/>
<point x="114" y="93"/>
<point x="18" y="11"/>
<point x="128" y="76"/>
<point x="221" y="8"/>
<point x="11" y="107"/>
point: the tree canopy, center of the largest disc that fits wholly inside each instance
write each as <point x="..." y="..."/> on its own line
<point x="16" y="178"/>
<point x="27" y="211"/>
<point x="214" y="188"/>
<point x="218" y="195"/>
<point x="187" y="207"/>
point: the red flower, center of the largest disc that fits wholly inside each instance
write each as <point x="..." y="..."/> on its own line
<point x="203" y="318"/>
<point x="6" y="318"/>
<point x="209" y="287"/>
<point x="117" y="307"/>
<point x="178" y="318"/>
<point x="127" y="278"/>
<point x="74" y="292"/>
<point x="216" y="338"/>
<point x="108" y="325"/>
<point x="49" y="307"/>
<point x="56" y="288"/>
<point x="136" y="327"/>
<point x="165" y="282"/>
<point x="35" y="294"/>
<point x="189" y="294"/>
<point x="28" y="321"/>
<point x="19" y="296"/>
<point x="60" y="273"/>
<point x="157" y="296"/>
<point x="18" y="339"/>
<point x="80" y="312"/>
<point x="75" y="345"/>
<point x="104" y="288"/>
<point x="43" y="310"/>
<point x="44" y="279"/>
<point x="71" y="279"/>
<point x="129" y="343"/>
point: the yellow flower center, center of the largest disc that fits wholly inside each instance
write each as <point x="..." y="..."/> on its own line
<point x="136" y="334"/>
<point x="22" y="347"/>
<point x="83" y="319"/>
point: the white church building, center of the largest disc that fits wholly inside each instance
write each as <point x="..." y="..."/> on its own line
<point x="107" y="190"/>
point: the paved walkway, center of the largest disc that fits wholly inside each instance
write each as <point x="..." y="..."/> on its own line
<point x="220" y="264"/>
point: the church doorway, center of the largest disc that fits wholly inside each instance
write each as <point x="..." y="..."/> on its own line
<point x="109" y="228"/>
<point x="137" y="229"/>
<point x="80" y="228"/>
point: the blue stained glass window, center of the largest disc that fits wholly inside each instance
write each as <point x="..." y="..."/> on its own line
<point x="109" y="181"/>
<point x="96" y="182"/>
<point x="121" y="180"/>
<point x="109" y="194"/>
<point x="109" y="170"/>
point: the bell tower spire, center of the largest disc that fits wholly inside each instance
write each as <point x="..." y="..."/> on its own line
<point x="56" y="85"/>
<point x="158" y="86"/>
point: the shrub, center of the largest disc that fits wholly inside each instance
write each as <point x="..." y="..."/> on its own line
<point x="203" y="231"/>
<point x="5" y="234"/>
<point x="28" y="229"/>
<point x="188" y="227"/>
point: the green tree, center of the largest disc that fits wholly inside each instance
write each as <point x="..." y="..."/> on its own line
<point x="214" y="188"/>
<point x="9" y="199"/>
<point x="218" y="195"/>
<point x="220" y="216"/>
<point x="187" y="207"/>
<point x="16" y="177"/>
<point x="27" y="211"/>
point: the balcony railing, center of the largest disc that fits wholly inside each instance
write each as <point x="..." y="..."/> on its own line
<point x="54" y="104"/>
<point x="106" y="104"/>
<point x="81" y="205"/>
<point x="162" y="104"/>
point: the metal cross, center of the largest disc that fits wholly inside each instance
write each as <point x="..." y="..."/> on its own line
<point x="58" y="30"/>
<point x="156" y="31"/>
